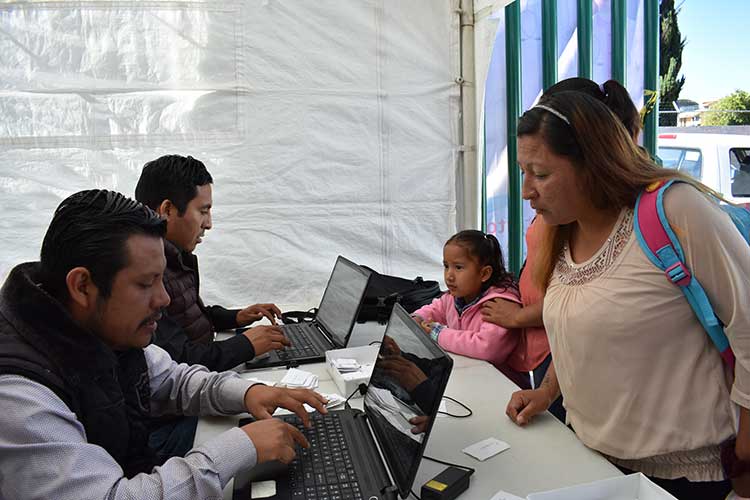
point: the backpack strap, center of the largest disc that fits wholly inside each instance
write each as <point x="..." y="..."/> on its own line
<point x="663" y="249"/>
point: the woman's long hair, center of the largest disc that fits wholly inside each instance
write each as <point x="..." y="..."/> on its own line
<point x="610" y="168"/>
<point x="611" y="93"/>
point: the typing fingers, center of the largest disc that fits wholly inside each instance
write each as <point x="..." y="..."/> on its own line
<point x="296" y="407"/>
<point x="269" y="316"/>
<point x="280" y="339"/>
<point x="312" y="398"/>
<point x="275" y="310"/>
<point x="297" y="436"/>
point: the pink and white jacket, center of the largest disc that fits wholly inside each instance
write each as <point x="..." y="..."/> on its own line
<point x="468" y="334"/>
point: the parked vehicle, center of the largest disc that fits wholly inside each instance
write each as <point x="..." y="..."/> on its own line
<point x="717" y="156"/>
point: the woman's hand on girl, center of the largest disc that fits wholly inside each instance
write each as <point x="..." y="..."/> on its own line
<point x="501" y="312"/>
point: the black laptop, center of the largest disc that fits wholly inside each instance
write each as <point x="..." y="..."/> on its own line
<point x="331" y="327"/>
<point x="372" y="454"/>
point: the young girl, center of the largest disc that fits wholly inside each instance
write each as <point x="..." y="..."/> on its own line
<point x="474" y="273"/>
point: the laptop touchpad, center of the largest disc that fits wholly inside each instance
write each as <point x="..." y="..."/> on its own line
<point x="262" y="489"/>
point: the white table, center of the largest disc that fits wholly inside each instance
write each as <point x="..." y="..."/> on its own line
<point x="543" y="456"/>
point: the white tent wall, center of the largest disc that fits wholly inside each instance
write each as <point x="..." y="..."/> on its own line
<point x="329" y="127"/>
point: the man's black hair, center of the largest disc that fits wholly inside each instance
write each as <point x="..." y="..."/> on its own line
<point x="90" y="229"/>
<point x="172" y="177"/>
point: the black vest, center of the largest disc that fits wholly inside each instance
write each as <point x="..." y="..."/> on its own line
<point x="108" y="391"/>
<point x="182" y="283"/>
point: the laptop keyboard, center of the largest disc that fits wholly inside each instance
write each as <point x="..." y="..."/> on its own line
<point x="325" y="470"/>
<point x="302" y="344"/>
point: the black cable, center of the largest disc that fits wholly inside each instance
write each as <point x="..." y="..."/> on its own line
<point x="375" y="342"/>
<point x="464" y="467"/>
<point x="460" y="404"/>
<point x="361" y="388"/>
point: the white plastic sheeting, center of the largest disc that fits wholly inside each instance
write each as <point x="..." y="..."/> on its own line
<point x="329" y="127"/>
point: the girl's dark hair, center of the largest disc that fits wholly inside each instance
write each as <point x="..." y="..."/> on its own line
<point x="611" y="93"/>
<point x="486" y="249"/>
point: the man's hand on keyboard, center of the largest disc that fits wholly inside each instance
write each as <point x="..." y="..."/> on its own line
<point x="266" y="338"/>
<point x="274" y="440"/>
<point x="261" y="401"/>
<point x="253" y="313"/>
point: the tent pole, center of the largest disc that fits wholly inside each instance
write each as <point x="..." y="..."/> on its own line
<point x="513" y="76"/>
<point x="549" y="43"/>
<point x="585" y="40"/>
<point x="619" y="40"/>
<point x="651" y="73"/>
<point x="471" y="211"/>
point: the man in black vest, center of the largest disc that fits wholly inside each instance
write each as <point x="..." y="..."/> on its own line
<point x="179" y="189"/>
<point x="78" y="383"/>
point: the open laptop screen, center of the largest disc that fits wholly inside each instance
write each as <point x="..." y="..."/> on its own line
<point x="404" y="395"/>
<point x="340" y="303"/>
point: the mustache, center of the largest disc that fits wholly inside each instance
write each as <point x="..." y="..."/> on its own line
<point x="154" y="317"/>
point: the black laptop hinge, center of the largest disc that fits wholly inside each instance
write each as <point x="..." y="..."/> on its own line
<point x="389" y="491"/>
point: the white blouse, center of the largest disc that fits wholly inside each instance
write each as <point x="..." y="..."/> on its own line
<point x="641" y="379"/>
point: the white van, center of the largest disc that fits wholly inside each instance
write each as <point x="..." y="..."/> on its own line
<point x="717" y="156"/>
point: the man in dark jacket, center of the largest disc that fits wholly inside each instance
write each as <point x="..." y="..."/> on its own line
<point x="179" y="189"/>
<point x="79" y="380"/>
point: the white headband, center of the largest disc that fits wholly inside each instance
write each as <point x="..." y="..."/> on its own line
<point x="553" y="111"/>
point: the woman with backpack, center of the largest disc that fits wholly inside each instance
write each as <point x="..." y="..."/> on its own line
<point x="531" y="356"/>
<point x="642" y="381"/>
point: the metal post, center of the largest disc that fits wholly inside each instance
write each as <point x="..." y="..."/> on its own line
<point x="619" y="40"/>
<point x="513" y="76"/>
<point x="585" y="40"/>
<point x="651" y="72"/>
<point x="469" y="217"/>
<point x="484" y="173"/>
<point x="549" y="43"/>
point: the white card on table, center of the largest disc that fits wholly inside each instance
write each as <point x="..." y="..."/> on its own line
<point x="504" y="495"/>
<point x="486" y="448"/>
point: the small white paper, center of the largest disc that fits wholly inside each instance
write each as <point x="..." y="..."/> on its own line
<point x="504" y="495"/>
<point x="364" y="372"/>
<point x="296" y="378"/>
<point x="344" y="365"/>
<point x="334" y="401"/>
<point x="486" y="448"/>
<point x="263" y="489"/>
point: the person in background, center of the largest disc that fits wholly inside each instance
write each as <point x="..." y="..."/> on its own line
<point x="475" y="273"/>
<point x="532" y="356"/>
<point x="179" y="189"/>
<point x="642" y="382"/>
<point x="79" y="381"/>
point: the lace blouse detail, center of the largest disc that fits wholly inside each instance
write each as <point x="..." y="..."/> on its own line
<point x="573" y="275"/>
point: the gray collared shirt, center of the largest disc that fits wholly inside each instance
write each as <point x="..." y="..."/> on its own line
<point x="44" y="453"/>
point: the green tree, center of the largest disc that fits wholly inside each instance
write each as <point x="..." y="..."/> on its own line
<point x="724" y="111"/>
<point x="671" y="44"/>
